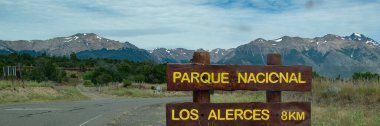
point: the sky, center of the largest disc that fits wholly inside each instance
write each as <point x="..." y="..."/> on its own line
<point x="188" y="24"/>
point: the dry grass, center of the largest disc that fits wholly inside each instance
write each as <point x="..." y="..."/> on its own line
<point x="30" y="91"/>
<point x="354" y="103"/>
<point x="139" y="90"/>
<point x="142" y="92"/>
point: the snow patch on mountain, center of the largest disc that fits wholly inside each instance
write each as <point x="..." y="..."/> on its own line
<point x="278" y="40"/>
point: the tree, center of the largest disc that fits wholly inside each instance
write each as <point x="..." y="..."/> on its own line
<point x="73" y="57"/>
<point x="139" y="78"/>
<point x="37" y="75"/>
<point x="103" y="79"/>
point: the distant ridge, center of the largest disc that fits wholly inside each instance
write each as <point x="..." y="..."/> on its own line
<point x="330" y="55"/>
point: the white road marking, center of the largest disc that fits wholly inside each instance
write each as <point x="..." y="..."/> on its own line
<point x="91" y="119"/>
<point x="31" y="109"/>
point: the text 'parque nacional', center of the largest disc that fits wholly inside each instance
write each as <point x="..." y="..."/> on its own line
<point x="238" y="77"/>
<point x="243" y="77"/>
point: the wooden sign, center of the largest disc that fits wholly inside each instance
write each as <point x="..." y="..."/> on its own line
<point x="238" y="114"/>
<point x="201" y="77"/>
<point x="188" y="77"/>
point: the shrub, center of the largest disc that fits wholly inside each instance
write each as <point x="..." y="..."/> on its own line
<point x="88" y="75"/>
<point x="73" y="76"/>
<point x="365" y="75"/>
<point x="126" y="83"/>
<point x="139" y="78"/>
<point x="103" y="78"/>
<point x="37" y="75"/>
<point x="88" y="83"/>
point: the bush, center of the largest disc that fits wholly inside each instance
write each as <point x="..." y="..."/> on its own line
<point x="139" y="78"/>
<point x="37" y="75"/>
<point x="73" y="76"/>
<point x="366" y="75"/>
<point x="103" y="78"/>
<point x="88" y="75"/>
<point x="126" y="83"/>
<point x="88" y="83"/>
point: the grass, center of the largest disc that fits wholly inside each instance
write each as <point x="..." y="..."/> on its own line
<point x="136" y="92"/>
<point x="4" y="84"/>
<point x="30" y="91"/>
<point x="354" y="103"/>
<point x="347" y="115"/>
<point x="141" y="90"/>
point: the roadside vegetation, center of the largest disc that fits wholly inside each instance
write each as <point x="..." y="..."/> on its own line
<point x="101" y="76"/>
<point x="32" y="91"/>
<point x="99" y="71"/>
<point x="137" y="90"/>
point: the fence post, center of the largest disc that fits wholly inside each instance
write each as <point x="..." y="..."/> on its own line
<point x="273" y="96"/>
<point x="201" y="96"/>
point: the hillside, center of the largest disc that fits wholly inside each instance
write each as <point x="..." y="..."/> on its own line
<point x="330" y="55"/>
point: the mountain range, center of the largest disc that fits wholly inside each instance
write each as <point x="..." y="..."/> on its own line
<point x="330" y="55"/>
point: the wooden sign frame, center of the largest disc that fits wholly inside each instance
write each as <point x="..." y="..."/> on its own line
<point x="198" y="112"/>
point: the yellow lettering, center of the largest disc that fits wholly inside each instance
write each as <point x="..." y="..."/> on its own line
<point x="300" y="78"/>
<point x="263" y="78"/>
<point x="245" y="114"/>
<point x="185" y="78"/>
<point x="205" y="78"/>
<point x="301" y="116"/>
<point x="219" y="117"/>
<point x="241" y="77"/>
<point x="213" y="80"/>
<point x="256" y="112"/>
<point x="224" y="78"/>
<point x="212" y="115"/>
<point x="176" y="75"/>
<point x="173" y="115"/>
<point x="284" y="77"/>
<point x="293" y="78"/>
<point x="270" y="77"/>
<point x="194" y="114"/>
<point x="187" y="115"/>
<point x="238" y="113"/>
<point x="265" y="113"/>
<point x="194" y="76"/>
<point x="229" y="114"/>
<point x="252" y="78"/>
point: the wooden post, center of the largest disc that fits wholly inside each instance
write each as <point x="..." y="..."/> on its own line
<point x="273" y="96"/>
<point x="201" y="96"/>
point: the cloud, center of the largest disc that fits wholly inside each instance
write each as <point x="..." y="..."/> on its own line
<point x="189" y="24"/>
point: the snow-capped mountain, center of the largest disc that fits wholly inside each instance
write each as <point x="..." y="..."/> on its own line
<point x="361" y="38"/>
<point x="181" y="55"/>
<point x="61" y="46"/>
<point x="177" y="55"/>
<point x="330" y="55"/>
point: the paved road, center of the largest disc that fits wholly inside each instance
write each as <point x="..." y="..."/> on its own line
<point x="78" y="113"/>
